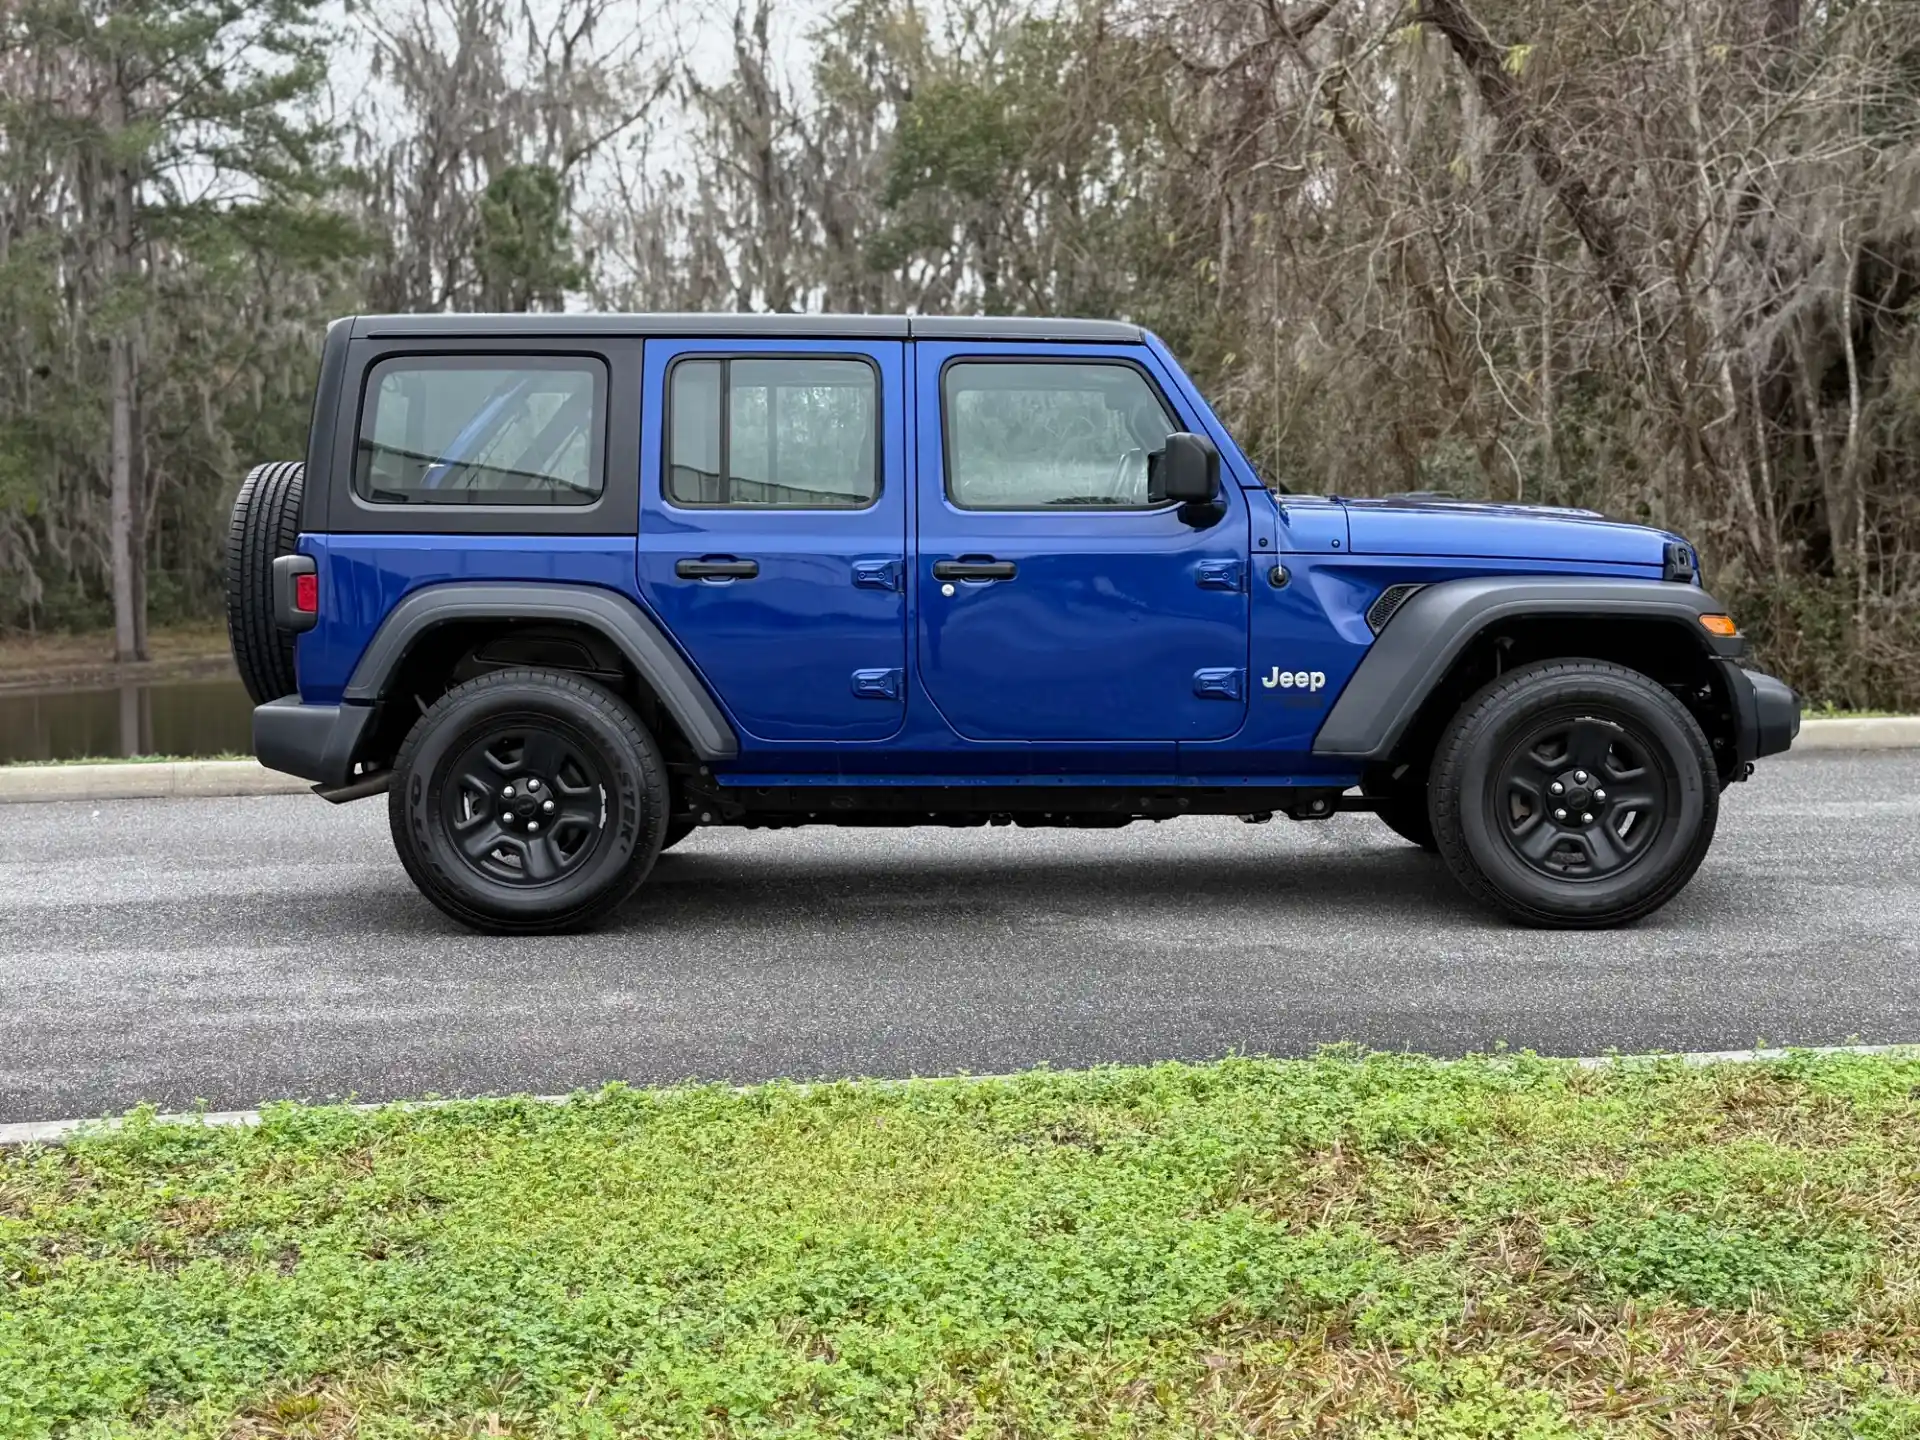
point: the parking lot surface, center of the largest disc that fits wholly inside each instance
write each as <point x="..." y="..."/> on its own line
<point x="237" y="951"/>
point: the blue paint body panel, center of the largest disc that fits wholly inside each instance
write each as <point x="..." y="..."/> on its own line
<point x="362" y="577"/>
<point x="781" y="650"/>
<point x="1097" y="636"/>
<point x="1130" y="647"/>
<point x="1504" y="532"/>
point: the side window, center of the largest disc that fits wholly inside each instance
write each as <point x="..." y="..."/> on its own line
<point x="1026" y="434"/>
<point x="795" y="433"/>
<point x="493" y="430"/>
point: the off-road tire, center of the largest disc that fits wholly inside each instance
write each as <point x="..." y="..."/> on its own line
<point x="615" y="755"/>
<point x="265" y="526"/>
<point x="1472" y="797"/>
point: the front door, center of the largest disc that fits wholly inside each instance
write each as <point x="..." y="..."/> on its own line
<point x="1055" y="602"/>
<point x="772" y="537"/>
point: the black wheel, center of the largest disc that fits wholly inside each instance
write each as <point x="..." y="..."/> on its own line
<point x="677" y="830"/>
<point x="1403" y="810"/>
<point x="1574" y="793"/>
<point x="528" y="801"/>
<point x="265" y="526"/>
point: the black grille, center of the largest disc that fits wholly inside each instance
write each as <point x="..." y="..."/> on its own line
<point x="1388" y="605"/>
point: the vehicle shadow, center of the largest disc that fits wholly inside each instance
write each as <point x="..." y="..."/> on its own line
<point x="845" y="888"/>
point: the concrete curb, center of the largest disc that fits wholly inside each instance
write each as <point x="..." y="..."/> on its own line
<point x="1886" y="732"/>
<point x="53" y="1132"/>
<point x="207" y="779"/>
<point x="144" y="780"/>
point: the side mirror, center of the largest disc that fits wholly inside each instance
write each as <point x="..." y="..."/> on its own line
<point x="1187" y="471"/>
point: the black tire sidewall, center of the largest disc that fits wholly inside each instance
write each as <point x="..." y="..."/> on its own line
<point x="1676" y="747"/>
<point x="606" y="731"/>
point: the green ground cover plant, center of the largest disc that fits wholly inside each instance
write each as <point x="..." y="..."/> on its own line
<point x="1354" y="1245"/>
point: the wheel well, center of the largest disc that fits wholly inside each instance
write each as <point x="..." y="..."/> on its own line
<point x="1663" y="650"/>
<point x="452" y="653"/>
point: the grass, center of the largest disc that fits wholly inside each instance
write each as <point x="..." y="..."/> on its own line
<point x="1372" y="1246"/>
<point x="1826" y="710"/>
<point x="87" y="656"/>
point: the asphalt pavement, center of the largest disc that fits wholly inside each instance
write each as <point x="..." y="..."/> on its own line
<point x="230" y="952"/>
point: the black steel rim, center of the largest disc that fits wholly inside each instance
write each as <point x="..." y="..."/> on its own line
<point x="1580" y="798"/>
<point x="524" y="807"/>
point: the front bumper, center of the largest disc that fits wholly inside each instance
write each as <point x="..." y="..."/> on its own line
<point x="315" y="742"/>
<point x="1766" y="712"/>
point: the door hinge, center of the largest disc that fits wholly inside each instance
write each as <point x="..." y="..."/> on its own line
<point x="1223" y="683"/>
<point x="878" y="574"/>
<point x="877" y="684"/>
<point x="1221" y="575"/>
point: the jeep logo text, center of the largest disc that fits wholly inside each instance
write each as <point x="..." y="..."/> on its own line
<point x="1294" y="679"/>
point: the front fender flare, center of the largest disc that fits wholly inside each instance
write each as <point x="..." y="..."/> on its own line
<point x="682" y="692"/>
<point x="1427" y="634"/>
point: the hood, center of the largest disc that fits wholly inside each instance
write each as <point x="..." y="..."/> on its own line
<point x="1434" y="525"/>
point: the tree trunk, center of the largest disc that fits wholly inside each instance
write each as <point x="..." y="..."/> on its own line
<point x="126" y="629"/>
<point x="1484" y="61"/>
<point x="127" y="552"/>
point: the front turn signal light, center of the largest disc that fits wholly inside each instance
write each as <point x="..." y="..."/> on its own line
<point x="1719" y="625"/>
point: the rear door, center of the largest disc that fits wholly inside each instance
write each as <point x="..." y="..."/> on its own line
<point x="1056" y="601"/>
<point x="772" y="540"/>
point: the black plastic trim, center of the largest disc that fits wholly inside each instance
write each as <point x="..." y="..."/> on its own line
<point x="1414" y="653"/>
<point x="614" y="616"/>
<point x="862" y="327"/>
<point x="1678" y="564"/>
<point x="1023" y="327"/>
<point x="322" y="431"/>
<point x="1766" y="712"/>
<point x="285" y="568"/>
<point x="1388" y="605"/>
<point x="315" y="742"/>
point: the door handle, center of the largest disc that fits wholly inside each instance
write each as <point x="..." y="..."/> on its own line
<point x="973" y="570"/>
<point x="716" y="569"/>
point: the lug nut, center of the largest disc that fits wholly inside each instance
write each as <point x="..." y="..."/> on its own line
<point x="1559" y="814"/>
<point x="1579" y="777"/>
<point x="546" y="804"/>
<point x="533" y="784"/>
<point x="1585" y="818"/>
<point x="533" y="825"/>
<point x="508" y="792"/>
<point x="1556" y="788"/>
<point x="1599" y="794"/>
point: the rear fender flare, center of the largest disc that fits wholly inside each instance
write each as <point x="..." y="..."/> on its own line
<point x="682" y="692"/>
<point x="1429" y="632"/>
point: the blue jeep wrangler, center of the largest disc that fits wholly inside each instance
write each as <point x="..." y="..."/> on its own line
<point x="568" y="587"/>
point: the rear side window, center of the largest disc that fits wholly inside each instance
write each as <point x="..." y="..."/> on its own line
<point x="1027" y="435"/>
<point x="492" y="430"/>
<point x="795" y="434"/>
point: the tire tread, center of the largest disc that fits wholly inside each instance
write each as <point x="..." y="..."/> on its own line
<point x="265" y="525"/>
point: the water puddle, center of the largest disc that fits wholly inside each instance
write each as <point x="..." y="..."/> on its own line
<point x="161" y="717"/>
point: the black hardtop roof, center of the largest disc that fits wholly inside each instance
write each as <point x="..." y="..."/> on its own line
<point x="851" y="327"/>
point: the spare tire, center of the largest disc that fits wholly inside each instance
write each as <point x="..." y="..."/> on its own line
<point x="266" y="525"/>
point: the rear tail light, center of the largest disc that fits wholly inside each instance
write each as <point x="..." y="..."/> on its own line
<point x="306" y="594"/>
